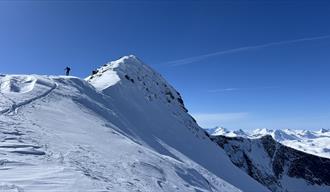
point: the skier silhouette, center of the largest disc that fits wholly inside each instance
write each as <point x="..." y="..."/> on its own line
<point x="67" y="71"/>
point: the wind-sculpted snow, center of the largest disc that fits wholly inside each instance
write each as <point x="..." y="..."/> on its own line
<point x="17" y="84"/>
<point x="132" y="134"/>
<point x="17" y="91"/>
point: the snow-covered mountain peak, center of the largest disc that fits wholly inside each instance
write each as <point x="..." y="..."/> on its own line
<point x="262" y="131"/>
<point x="240" y="132"/>
<point x="126" y="65"/>
<point x="218" y="131"/>
<point x="111" y="73"/>
<point x="129" y="74"/>
<point x="281" y="135"/>
<point x="223" y="131"/>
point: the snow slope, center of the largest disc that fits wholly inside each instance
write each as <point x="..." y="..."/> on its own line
<point x="122" y="129"/>
<point x="312" y="142"/>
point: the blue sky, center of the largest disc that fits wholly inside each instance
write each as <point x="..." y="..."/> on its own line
<point x="238" y="64"/>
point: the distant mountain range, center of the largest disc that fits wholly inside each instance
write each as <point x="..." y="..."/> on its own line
<point x="283" y="160"/>
<point x="313" y="142"/>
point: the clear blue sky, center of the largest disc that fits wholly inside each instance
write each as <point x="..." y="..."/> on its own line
<point x="238" y="64"/>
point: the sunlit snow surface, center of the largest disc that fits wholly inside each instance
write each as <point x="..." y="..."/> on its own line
<point x="123" y="129"/>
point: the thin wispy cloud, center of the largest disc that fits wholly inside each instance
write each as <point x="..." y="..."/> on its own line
<point x="239" y="89"/>
<point x="189" y="60"/>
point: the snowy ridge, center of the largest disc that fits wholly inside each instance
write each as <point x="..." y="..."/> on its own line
<point x="124" y="129"/>
<point x="313" y="142"/>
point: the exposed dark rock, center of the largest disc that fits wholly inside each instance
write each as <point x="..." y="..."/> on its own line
<point x="194" y="120"/>
<point x="269" y="144"/>
<point x="127" y="77"/>
<point x="94" y="72"/>
<point x="170" y="94"/>
<point x="180" y="101"/>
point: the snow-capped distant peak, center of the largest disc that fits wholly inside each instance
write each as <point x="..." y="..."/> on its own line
<point x="225" y="132"/>
<point x="240" y="132"/>
<point x="218" y="131"/>
<point x="261" y="131"/>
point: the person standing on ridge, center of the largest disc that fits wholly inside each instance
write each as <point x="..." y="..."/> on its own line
<point x="67" y="71"/>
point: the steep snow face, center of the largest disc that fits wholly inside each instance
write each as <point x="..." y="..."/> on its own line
<point x="278" y="167"/>
<point x="133" y="134"/>
<point x="313" y="142"/>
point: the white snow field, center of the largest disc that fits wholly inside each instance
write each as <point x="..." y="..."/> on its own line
<point x="312" y="142"/>
<point x="122" y="129"/>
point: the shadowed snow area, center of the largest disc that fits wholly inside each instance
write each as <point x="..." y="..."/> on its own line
<point x="122" y="129"/>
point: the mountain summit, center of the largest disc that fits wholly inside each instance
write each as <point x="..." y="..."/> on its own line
<point x="131" y="73"/>
<point x="124" y="128"/>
